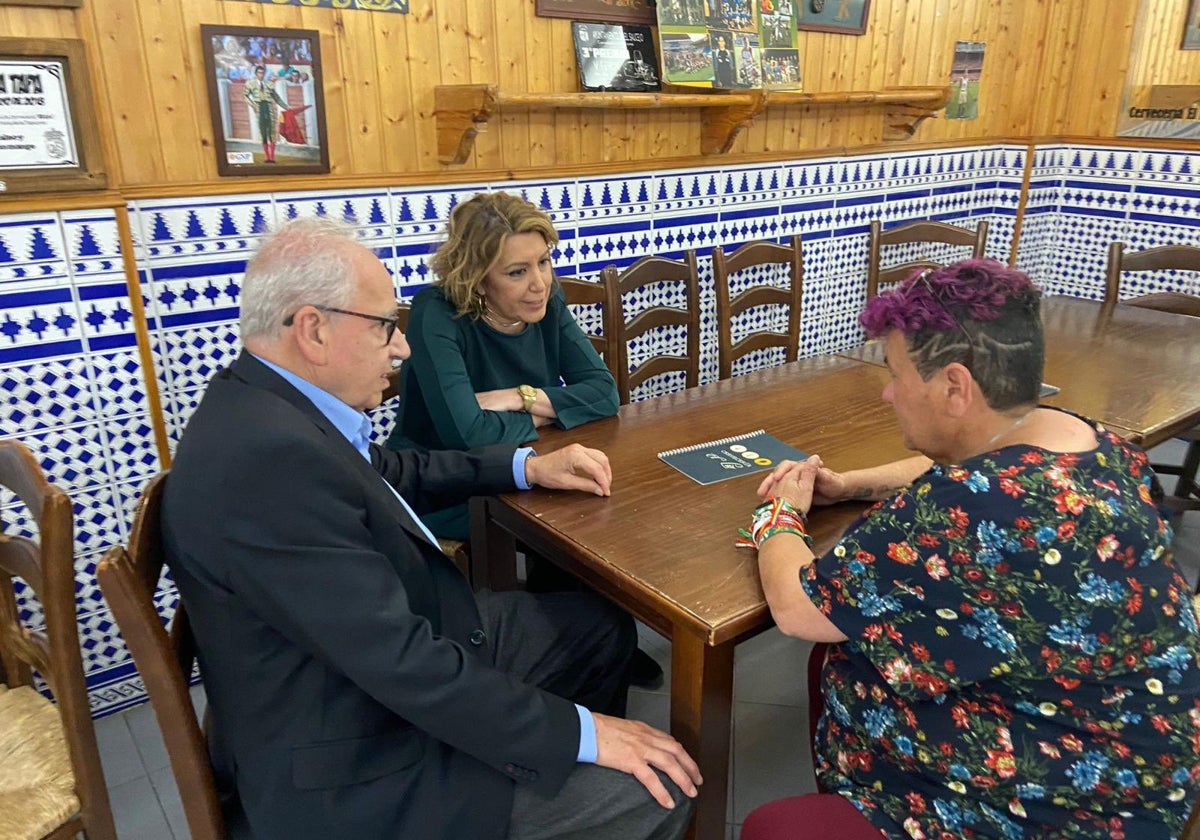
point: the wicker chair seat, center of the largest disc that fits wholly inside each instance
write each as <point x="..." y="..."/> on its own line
<point x="37" y="784"/>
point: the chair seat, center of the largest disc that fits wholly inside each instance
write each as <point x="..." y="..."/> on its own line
<point x="37" y="785"/>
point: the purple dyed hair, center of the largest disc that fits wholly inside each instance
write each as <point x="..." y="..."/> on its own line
<point x="978" y="313"/>
<point x="940" y="299"/>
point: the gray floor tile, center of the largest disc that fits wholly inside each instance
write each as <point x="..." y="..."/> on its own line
<point x="147" y="737"/>
<point x="199" y="700"/>
<point x="771" y="755"/>
<point x="650" y="707"/>
<point x="771" y="668"/>
<point x="118" y="753"/>
<point x="659" y="649"/>
<point x="168" y="799"/>
<point x="137" y="813"/>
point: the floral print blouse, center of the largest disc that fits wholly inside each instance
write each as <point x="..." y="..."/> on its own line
<point x="1021" y="657"/>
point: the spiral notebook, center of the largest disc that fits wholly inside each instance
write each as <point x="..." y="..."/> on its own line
<point x="717" y="460"/>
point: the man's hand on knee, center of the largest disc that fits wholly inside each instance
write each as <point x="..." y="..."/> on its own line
<point x="636" y="748"/>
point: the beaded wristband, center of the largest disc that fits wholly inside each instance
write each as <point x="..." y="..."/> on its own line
<point x="774" y="516"/>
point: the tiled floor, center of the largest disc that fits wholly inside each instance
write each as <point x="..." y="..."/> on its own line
<point x="771" y="755"/>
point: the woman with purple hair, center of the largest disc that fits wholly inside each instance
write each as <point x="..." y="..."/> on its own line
<point x="1015" y="649"/>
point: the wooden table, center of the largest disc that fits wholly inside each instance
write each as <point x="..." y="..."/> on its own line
<point x="662" y="546"/>
<point x="1134" y="370"/>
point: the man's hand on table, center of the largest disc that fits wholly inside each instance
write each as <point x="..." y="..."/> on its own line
<point x="637" y="748"/>
<point x="573" y="467"/>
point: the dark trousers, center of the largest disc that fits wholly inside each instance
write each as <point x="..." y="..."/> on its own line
<point x="578" y="646"/>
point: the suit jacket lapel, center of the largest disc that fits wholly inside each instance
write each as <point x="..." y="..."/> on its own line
<point x="254" y="372"/>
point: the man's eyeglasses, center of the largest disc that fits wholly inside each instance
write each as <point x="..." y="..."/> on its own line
<point x="390" y="325"/>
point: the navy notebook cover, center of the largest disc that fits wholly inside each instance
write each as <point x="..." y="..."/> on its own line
<point x="708" y="463"/>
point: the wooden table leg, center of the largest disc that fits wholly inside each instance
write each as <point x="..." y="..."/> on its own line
<point x="493" y="550"/>
<point x="701" y="719"/>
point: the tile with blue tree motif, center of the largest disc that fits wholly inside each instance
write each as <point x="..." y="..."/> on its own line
<point x="174" y="229"/>
<point x="93" y="244"/>
<point x="623" y="198"/>
<point x="422" y="211"/>
<point x="368" y="211"/>
<point x="32" y="252"/>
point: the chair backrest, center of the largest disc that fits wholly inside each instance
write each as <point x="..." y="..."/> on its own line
<point x="1178" y="257"/>
<point x="128" y="580"/>
<point x="583" y="293"/>
<point x="754" y="254"/>
<point x="930" y="232"/>
<point x="645" y="272"/>
<point x="47" y="566"/>
<point x="393" y="388"/>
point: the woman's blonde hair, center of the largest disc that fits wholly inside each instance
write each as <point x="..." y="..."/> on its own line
<point x="475" y="236"/>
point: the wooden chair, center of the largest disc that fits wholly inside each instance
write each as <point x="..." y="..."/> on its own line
<point x="583" y="293"/>
<point x="1178" y="257"/>
<point x="393" y="389"/>
<point x="930" y="232"/>
<point x="1167" y="257"/>
<point x="128" y="581"/>
<point x="644" y="272"/>
<point x="747" y="256"/>
<point x="51" y="770"/>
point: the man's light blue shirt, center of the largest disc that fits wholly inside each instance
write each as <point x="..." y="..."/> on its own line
<point x="355" y="426"/>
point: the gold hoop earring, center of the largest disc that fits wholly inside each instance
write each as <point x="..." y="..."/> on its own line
<point x="479" y="305"/>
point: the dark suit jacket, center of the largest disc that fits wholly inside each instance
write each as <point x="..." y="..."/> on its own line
<point x="351" y="691"/>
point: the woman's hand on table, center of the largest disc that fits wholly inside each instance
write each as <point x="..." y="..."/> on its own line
<point x="793" y="482"/>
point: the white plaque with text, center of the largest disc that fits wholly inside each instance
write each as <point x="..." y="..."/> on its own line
<point x="35" y="116"/>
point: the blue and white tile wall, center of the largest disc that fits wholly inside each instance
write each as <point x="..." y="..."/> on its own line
<point x="74" y="390"/>
<point x="1081" y="198"/>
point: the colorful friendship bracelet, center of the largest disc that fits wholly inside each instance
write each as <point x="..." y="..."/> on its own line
<point x="774" y="516"/>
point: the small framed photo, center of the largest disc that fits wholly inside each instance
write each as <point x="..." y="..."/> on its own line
<point x="1191" y="27"/>
<point x="848" y="17"/>
<point x="266" y="100"/>
<point x="48" y="136"/>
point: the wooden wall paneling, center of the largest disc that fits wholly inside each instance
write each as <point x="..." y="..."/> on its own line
<point x="398" y="127"/>
<point x="455" y="67"/>
<point x="122" y="59"/>
<point x="1114" y="46"/>
<point x="539" y="63"/>
<point x="568" y="137"/>
<point x="1058" y="44"/>
<point x="31" y="22"/>
<point x="1006" y="92"/>
<point x="337" y="108"/>
<point x="203" y="150"/>
<point x="1096" y="85"/>
<point x="509" y="50"/>
<point x="243" y="14"/>
<point x="863" y="125"/>
<point x="174" y="88"/>
<point x="423" y="75"/>
<point x="360" y="80"/>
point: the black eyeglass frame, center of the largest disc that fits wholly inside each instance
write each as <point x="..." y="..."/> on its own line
<point x="390" y="324"/>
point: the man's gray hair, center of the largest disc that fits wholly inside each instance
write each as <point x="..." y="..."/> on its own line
<point x="305" y="262"/>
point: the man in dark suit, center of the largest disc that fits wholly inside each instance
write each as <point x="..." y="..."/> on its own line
<point x="357" y="686"/>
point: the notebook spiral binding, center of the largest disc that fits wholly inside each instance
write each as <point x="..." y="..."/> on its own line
<point x="706" y="444"/>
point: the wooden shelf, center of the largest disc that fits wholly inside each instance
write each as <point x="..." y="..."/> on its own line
<point x="463" y="111"/>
